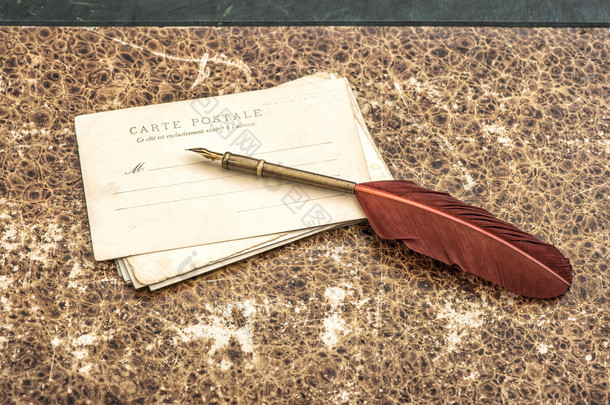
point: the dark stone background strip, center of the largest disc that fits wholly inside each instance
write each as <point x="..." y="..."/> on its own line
<point x="290" y="12"/>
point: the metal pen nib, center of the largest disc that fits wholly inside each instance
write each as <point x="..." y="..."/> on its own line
<point x="260" y="168"/>
<point x="208" y="154"/>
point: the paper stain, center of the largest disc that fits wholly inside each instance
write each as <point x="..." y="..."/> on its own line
<point x="5" y="283"/>
<point x="51" y="234"/>
<point x="43" y="240"/>
<point x="500" y="132"/>
<point x="543" y="348"/>
<point x="201" y="74"/>
<point x="225" y="365"/>
<point x="204" y="71"/>
<point x="330" y="250"/>
<point x="428" y="90"/>
<point x="141" y="48"/>
<point x="8" y="236"/>
<point x="85" y="340"/>
<point x="334" y="325"/>
<point x="459" y="322"/>
<point x="505" y="141"/>
<point x="472" y="376"/>
<point x="85" y="369"/>
<point x="219" y="334"/>
<point x="470" y="183"/>
<point x="397" y="87"/>
<point x="80" y="354"/>
<point x="590" y="189"/>
<point x="220" y="330"/>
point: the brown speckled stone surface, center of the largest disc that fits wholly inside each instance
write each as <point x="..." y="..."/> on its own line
<point x="513" y="120"/>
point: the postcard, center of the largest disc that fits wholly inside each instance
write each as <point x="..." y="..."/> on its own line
<point x="145" y="193"/>
<point x="160" y="269"/>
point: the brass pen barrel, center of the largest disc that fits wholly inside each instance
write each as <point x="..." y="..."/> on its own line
<point x="261" y="168"/>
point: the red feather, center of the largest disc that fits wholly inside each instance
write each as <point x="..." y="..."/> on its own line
<point x="444" y="228"/>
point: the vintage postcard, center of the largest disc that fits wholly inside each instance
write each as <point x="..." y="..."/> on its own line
<point x="145" y="193"/>
<point x="160" y="269"/>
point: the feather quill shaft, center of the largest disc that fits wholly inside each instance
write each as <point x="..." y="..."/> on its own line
<point x="440" y="226"/>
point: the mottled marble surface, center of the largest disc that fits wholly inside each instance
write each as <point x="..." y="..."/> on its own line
<point x="512" y="120"/>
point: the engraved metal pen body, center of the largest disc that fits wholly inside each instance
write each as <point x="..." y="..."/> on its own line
<point x="261" y="168"/>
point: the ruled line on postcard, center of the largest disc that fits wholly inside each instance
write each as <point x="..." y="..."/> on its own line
<point x="314" y="163"/>
<point x="295" y="202"/>
<point x="260" y="153"/>
<point x="181" y="165"/>
<point x="194" y="198"/>
<point x="295" y="147"/>
<point x="178" y="184"/>
<point x="209" y="179"/>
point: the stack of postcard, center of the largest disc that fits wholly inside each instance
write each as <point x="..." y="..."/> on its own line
<point x="166" y="214"/>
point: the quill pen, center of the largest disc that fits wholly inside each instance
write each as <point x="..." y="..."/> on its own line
<point x="437" y="225"/>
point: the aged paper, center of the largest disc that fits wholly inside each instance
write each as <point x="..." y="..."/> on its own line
<point x="146" y="194"/>
<point x="163" y="268"/>
<point x="378" y="171"/>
